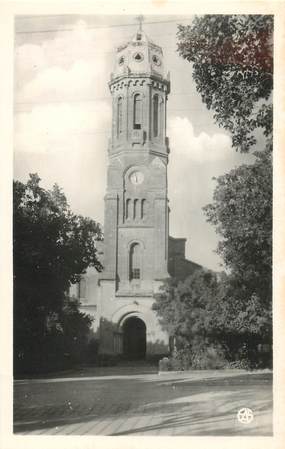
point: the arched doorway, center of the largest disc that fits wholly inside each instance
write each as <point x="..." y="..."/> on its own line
<point x="134" y="338"/>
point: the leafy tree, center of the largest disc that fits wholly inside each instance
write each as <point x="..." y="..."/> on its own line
<point x="67" y="332"/>
<point x="242" y="214"/>
<point x="192" y="312"/>
<point x="213" y="322"/>
<point x="52" y="248"/>
<point x="230" y="314"/>
<point x="184" y="306"/>
<point x="232" y="59"/>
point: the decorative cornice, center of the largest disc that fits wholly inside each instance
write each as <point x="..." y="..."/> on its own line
<point x="139" y="80"/>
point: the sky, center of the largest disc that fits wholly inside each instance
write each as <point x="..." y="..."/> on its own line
<point x="63" y="117"/>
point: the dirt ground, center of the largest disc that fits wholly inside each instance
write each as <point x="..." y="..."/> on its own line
<point x="139" y="401"/>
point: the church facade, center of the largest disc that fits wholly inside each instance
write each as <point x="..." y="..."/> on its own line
<point x="137" y="253"/>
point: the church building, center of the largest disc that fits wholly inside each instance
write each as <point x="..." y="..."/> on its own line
<point x="137" y="253"/>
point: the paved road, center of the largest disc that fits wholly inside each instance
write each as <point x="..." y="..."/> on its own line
<point x="192" y="403"/>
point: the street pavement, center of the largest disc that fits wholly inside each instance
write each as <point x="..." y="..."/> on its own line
<point x="113" y="402"/>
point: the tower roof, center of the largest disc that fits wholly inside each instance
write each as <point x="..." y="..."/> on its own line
<point x="140" y="36"/>
<point x="139" y="56"/>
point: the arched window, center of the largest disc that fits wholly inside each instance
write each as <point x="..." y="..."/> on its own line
<point x="155" y="115"/>
<point x="119" y="116"/>
<point x="135" y="261"/>
<point x="135" y="209"/>
<point x="142" y="208"/>
<point x="81" y="289"/>
<point x="137" y="111"/>
<point x="128" y="205"/>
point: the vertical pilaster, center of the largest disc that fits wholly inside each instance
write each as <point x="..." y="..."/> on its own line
<point x="110" y="236"/>
<point x="160" y="227"/>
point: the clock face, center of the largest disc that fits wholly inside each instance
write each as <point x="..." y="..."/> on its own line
<point x="136" y="177"/>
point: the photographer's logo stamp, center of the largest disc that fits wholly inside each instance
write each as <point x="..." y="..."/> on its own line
<point x="245" y="415"/>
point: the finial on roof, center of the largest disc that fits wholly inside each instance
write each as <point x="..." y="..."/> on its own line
<point x="140" y="19"/>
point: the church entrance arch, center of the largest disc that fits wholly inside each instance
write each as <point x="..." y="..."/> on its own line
<point x="134" y="338"/>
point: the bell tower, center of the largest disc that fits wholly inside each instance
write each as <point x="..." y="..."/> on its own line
<point x="138" y="252"/>
<point x="136" y="203"/>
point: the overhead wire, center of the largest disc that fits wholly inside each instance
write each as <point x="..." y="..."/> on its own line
<point x="100" y="27"/>
<point x="31" y="103"/>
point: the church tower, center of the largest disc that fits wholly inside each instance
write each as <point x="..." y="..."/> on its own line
<point x="138" y="253"/>
<point x="136" y="202"/>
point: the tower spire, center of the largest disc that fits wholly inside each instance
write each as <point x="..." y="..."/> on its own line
<point x="140" y="19"/>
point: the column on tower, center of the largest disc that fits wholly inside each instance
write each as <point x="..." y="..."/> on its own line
<point x="111" y="235"/>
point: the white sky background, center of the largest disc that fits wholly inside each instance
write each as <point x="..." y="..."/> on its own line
<point x="63" y="119"/>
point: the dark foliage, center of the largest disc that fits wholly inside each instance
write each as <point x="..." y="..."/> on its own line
<point x="242" y="215"/>
<point x="52" y="248"/>
<point x="232" y="57"/>
<point x="213" y="322"/>
<point x="227" y="319"/>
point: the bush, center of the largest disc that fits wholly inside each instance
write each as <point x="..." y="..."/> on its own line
<point x="210" y="357"/>
<point x="253" y="356"/>
<point x="29" y="363"/>
<point x="240" y="364"/>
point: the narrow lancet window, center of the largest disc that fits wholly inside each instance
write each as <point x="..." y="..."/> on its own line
<point x="119" y="116"/>
<point x="142" y="208"/>
<point x="155" y="116"/>
<point x="81" y="290"/>
<point x="137" y="111"/>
